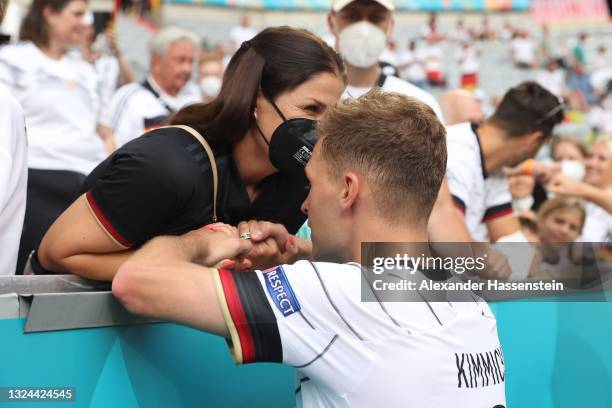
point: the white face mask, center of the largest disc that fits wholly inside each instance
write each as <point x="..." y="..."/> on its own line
<point x="210" y="86"/>
<point x="361" y="44"/>
<point x="522" y="204"/>
<point x="573" y="168"/>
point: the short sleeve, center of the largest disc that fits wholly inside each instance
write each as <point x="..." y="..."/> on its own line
<point x="498" y="200"/>
<point x="285" y="314"/>
<point x="460" y="173"/>
<point x="141" y="187"/>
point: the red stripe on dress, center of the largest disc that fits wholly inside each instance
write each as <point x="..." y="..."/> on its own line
<point x="105" y="222"/>
<point x="238" y="316"/>
<point x="459" y="207"/>
<point x="500" y="214"/>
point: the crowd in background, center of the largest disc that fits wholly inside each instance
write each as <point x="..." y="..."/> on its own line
<point x="80" y="103"/>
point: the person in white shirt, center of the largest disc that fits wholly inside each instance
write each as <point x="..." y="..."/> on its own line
<point x="553" y="78"/>
<point x="411" y="65"/>
<point x="58" y="93"/>
<point x="13" y="174"/>
<point x="113" y="69"/>
<point x="241" y="33"/>
<point x="523" y="50"/>
<point x="140" y="107"/>
<point x="467" y="57"/>
<point x="310" y="315"/>
<point x="522" y="123"/>
<point x="432" y="56"/>
<point x="595" y="189"/>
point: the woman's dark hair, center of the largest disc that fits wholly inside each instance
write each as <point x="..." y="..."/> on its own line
<point x="526" y="108"/>
<point x="276" y="60"/>
<point x="34" y="27"/>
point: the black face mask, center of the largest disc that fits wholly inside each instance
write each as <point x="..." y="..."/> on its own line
<point x="291" y="144"/>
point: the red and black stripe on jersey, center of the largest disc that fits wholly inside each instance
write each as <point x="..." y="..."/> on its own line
<point x="459" y="204"/>
<point x="497" y="211"/>
<point x="252" y="317"/>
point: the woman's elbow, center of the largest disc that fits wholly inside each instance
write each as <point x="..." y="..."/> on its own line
<point x="51" y="255"/>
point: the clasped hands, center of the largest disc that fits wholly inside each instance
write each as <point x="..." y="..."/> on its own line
<point x="269" y="245"/>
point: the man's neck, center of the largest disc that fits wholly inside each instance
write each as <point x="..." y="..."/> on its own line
<point x="168" y="90"/>
<point x="382" y="231"/>
<point x="494" y="146"/>
<point x="363" y="77"/>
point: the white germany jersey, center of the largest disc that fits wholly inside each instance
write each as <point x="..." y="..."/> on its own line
<point x="479" y="196"/>
<point x="350" y="353"/>
<point x="135" y="110"/>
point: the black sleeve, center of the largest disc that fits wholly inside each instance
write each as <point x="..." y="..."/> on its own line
<point x="144" y="184"/>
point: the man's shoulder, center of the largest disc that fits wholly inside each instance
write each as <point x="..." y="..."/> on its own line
<point x="132" y="97"/>
<point x="461" y="133"/>
<point x="9" y="103"/>
<point x="394" y="84"/>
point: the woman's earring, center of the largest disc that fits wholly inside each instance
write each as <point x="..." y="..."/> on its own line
<point x="255" y="113"/>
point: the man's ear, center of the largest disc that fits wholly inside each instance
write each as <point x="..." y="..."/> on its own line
<point x="350" y="190"/>
<point x="391" y="28"/>
<point x="532" y="139"/>
<point x="331" y="24"/>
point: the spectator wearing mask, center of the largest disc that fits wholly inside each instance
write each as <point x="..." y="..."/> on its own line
<point x="521" y="124"/>
<point x="138" y="107"/>
<point x="276" y="86"/>
<point x="13" y="174"/>
<point x="59" y="95"/>
<point x="211" y="78"/>
<point x="570" y="154"/>
<point x="362" y="29"/>
<point x="596" y="190"/>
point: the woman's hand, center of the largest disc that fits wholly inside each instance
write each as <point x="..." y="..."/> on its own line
<point x="221" y="246"/>
<point x="272" y="245"/>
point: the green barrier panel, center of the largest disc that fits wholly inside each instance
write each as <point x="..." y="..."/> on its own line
<point x="152" y="365"/>
<point x="557" y="354"/>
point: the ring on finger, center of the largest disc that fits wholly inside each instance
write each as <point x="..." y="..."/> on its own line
<point x="245" y="235"/>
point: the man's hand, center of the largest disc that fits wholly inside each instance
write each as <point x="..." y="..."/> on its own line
<point x="272" y="245"/>
<point x="221" y="245"/>
<point x="543" y="172"/>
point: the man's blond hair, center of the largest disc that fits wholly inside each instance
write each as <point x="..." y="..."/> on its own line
<point x="397" y="142"/>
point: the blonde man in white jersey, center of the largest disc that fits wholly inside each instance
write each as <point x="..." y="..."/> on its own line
<point x="310" y="315"/>
<point x="13" y="174"/>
